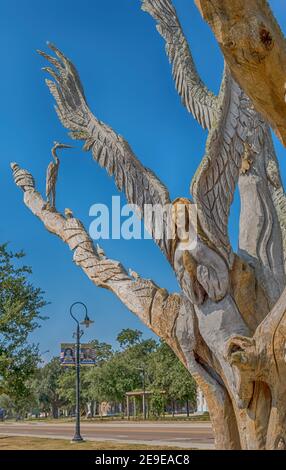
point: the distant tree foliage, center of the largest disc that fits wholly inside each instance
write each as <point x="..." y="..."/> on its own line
<point x="115" y="373"/>
<point x="129" y="337"/>
<point x="20" y="306"/>
<point x="46" y="386"/>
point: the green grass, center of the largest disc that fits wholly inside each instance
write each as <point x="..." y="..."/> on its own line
<point x="98" y="419"/>
<point x="33" y="443"/>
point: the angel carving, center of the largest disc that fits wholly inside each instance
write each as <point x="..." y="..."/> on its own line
<point x="225" y="294"/>
<point x="214" y="183"/>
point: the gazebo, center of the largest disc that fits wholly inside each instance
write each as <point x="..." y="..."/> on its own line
<point x="145" y="395"/>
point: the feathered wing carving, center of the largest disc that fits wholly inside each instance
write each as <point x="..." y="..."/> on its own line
<point x="109" y="149"/>
<point x="199" y="101"/>
<point x="275" y="184"/>
<point x="214" y="183"/>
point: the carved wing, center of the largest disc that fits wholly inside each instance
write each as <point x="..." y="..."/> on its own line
<point x="195" y="96"/>
<point x="109" y="149"/>
<point x="276" y="185"/>
<point x="214" y="183"/>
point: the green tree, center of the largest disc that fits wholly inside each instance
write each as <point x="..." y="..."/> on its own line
<point x="168" y="374"/>
<point x="129" y="337"/>
<point x="113" y="379"/>
<point x="47" y="387"/>
<point x="157" y="403"/>
<point x="66" y="386"/>
<point x="6" y="404"/>
<point x="103" y="351"/>
<point x="122" y="372"/>
<point x="20" y="305"/>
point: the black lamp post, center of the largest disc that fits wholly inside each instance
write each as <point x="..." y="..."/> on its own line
<point x="78" y="334"/>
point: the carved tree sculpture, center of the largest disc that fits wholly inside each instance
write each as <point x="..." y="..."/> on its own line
<point x="255" y="50"/>
<point x="228" y="323"/>
<point x="52" y="176"/>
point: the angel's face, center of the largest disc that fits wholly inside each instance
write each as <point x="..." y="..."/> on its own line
<point x="185" y="228"/>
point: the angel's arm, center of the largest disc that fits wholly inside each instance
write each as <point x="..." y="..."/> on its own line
<point x="154" y="306"/>
<point x="214" y="183"/>
<point x="276" y="188"/>
<point x="109" y="149"/>
<point x="199" y="101"/>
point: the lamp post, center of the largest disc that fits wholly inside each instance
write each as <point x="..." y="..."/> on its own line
<point x="78" y="334"/>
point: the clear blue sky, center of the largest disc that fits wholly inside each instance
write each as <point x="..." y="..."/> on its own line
<point x="127" y="79"/>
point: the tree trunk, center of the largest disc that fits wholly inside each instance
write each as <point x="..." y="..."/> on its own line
<point x="55" y="411"/>
<point x="244" y="384"/>
<point x="89" y="409"/>
<point x="255" y="50"/>
<point x="173" y="408"/>
<point x="227" y="324"/>
<point x="260" y="368"/>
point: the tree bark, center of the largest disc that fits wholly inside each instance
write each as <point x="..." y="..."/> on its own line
<point x="55" y="411"/>
<point x="244" y="382"/>
<point x="170" y="316"/>
<point x="214" y="324"/>
<point x="235" y="401"/>
<point x="261" y="371"/>
<point x="254" y="48"/>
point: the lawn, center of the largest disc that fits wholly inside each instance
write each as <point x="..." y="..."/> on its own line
<point x="33" y="443"/>
<point x="167" y="419"/>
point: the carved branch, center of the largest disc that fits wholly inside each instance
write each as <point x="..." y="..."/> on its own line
<point x="199" y="101"/>
<point x="255" y="50"/>
<point x="109" y="149"/>
<point x="172" y="317"/>
<point x="210" y="325"/>
<point x="260" y="243"/>
<point x="276" y="186"/>
<point x="153" y="305"/>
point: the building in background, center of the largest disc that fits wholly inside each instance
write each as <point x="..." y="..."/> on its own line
<point x="202" y="406"/>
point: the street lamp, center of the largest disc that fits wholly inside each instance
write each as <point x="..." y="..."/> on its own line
<point x="78" y="334"/>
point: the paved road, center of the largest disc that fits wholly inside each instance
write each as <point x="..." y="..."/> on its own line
<point x="186" y="435"/>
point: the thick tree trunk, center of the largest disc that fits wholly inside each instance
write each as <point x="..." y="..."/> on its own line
<point x="244" y="383"/>
<point x="261" y="378"/>
<point x="218" y="325"/>
<point x="255" y="50"/>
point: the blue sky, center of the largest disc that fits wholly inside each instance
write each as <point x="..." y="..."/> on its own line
<point x="126" y="75"/>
